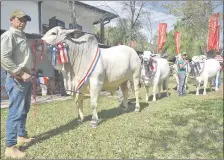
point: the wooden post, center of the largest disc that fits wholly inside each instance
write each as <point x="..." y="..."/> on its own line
<point x="102" y="31"/>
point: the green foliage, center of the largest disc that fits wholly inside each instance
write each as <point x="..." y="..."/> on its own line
<point x="193" y="25"/>
<point x="120" y="33"/>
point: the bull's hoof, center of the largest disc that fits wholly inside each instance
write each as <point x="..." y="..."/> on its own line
<point x="137" y="109"/>
<point x="80" y="119"/>
<point x="93" y="124"/>
<point x="147" y="100"/>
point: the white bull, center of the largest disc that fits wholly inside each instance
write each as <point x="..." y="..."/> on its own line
<point x="115" y="66"/>
<point x="205" y="70"/>
<point x="155" y="71"/>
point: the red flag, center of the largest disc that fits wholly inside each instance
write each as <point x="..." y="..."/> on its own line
<point x="161" y="36"/>
<point x="212" y="31"/>
<point x="43" y="80"/>
<point x="217" y="42"/>
<point x="177" y="42"/>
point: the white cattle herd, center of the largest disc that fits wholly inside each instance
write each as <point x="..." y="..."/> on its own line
<point x="91" y="69"/>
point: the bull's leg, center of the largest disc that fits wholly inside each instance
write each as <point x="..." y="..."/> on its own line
<point x="205" y="85"/>
<point x="95" y="88"/>
<point x="166" y="87"/>
<point x="136" y="89"/>
<point x="124" y="89"/>
<point x="79" y="104"/>
<point x="210" y="81"/>
<point x="177" y="81"/>
<point x="146" y="93"/>
<point x="198" y="87"/>
<point x="154" y="91"/>
<point x="217" y="81"/>
<point x="159" y="89"/>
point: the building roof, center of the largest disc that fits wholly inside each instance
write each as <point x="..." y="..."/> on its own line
<point x="108" y="15"/>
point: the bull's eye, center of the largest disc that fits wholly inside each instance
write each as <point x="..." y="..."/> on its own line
<point x="53" y="33"/>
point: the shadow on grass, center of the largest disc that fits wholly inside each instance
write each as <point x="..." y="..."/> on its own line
<point x="175" y="88"/>
<point x="201" y="91"/>
<point x="51" y="133"/>
<point x="163" y="95"/>
<point x="104" y="115"/>
<point x="114" y="112"/>
<point x="202" y="139"/>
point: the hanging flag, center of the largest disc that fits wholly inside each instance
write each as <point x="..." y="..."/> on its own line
<point x="217" y="42"/>
<point x="161" y="36"/>
<point x="43" y="80"/>
<point x="212" y="31"/>
<point x="53" y="56"/>
<point x="177" y="42"/>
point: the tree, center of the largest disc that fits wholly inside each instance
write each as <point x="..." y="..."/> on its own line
<point x="193" y="24"/>
<point x="71" y="7"/>
<point x="133" y="22"/>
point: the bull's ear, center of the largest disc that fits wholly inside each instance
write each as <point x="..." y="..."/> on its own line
<point x="153" y="55"/>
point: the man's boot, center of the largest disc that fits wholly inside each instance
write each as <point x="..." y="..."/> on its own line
<point x="21" y="140"/>
<point x="13" y="152"/>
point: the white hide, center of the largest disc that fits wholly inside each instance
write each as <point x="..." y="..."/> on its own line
<point x="160" y="76"/>
<point x="211" y="70"/>
<point x="115" y="67"/>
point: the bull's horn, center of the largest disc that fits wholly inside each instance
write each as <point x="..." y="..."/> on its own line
<point x="69" y="31"/>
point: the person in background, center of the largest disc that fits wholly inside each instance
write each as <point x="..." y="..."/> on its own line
<point x="17" y="60"/>
<point x="219" y="58"/>
<point x="181" y="64"/>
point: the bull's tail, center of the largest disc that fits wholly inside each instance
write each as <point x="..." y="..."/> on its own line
<point x="132" y="85"/>
<point x="164" y="85"/>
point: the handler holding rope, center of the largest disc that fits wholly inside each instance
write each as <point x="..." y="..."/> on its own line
<point x="17" y="60"/>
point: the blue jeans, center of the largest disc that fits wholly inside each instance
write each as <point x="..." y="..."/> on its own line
<point x="182" y="90"/>
<point x="19" y="106"/>
<point x="219" y="80"/>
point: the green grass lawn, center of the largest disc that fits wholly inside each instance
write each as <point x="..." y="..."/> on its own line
<point x="173" y="127"/>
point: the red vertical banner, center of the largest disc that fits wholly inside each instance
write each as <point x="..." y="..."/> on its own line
<point x="177" y="42"/>
<point x="217" y="42"/>
<point x="161" y="36"/>
<point x="212" y="31"/>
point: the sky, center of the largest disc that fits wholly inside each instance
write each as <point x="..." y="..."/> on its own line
<point x="159" y="15"/>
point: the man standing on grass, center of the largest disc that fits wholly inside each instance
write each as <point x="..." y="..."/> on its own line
<point x="181" y="64"/>
<point x="16" y="59"/>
